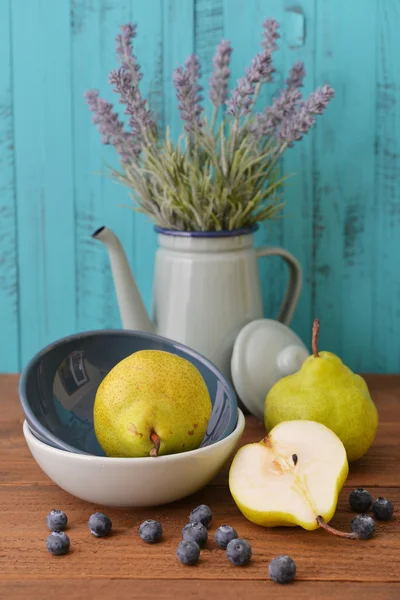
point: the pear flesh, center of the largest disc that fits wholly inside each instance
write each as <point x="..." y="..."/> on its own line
<point x="292" y="477"/>
<point x="327" y="391"/>
<point x="151" y="403"/>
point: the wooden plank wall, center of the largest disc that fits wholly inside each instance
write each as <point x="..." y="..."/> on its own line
<point x="342" y="215"/>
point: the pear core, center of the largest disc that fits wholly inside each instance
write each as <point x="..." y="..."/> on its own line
<point x="151" y="403"/>
<point x="292" y="477"/>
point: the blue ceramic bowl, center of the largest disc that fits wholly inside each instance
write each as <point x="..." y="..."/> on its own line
<point x="58" y="386"/>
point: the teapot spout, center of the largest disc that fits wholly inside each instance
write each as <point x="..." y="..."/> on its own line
<point x="131" y="307"/>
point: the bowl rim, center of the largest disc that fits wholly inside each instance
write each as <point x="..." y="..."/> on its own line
<point x="46" y="433"/>
<point x="166" y="458"/>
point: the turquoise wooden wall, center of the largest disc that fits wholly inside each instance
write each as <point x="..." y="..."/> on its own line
<point x="342" y="217"/>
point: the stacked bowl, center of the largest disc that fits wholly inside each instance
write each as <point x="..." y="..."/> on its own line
<point x="57" y="392"/>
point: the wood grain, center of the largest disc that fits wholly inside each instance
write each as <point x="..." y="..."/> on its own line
<point x="208" y="31"/>
<point x="44" y="176"/>
<point x="94" y="27"/>
<point x="196" y="590"/>
<point x="342" y="203"/>
<point x="116" y="210"/>
<point x="150" y="51"/>
<point x="121" y="566"/>
<point x="298" y="43"/>
<point x="386" y="324"/>
<point x="179" y="43"/>
<point x="9" y="306"/>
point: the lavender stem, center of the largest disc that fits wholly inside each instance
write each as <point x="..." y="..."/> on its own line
<point x="214" y="118"/>
<point x="254" y="100"/>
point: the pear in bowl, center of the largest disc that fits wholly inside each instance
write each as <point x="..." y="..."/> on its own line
<point x="150" y="404"/>
<point x="58" y="387"/>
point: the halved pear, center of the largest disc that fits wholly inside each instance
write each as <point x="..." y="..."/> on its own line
<point x="292" y="477"/>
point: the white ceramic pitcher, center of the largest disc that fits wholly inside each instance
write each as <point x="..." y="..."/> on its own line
<point x="206" y="288"/>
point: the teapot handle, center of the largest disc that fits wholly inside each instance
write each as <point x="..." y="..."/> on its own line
<point x="295" y="281"/>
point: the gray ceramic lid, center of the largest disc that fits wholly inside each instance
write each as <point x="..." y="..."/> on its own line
<point x="264" y="351"/>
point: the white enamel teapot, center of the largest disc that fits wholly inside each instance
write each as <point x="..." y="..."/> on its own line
<point x="206" y="290"/>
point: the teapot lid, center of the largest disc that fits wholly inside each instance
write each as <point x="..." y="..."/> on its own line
<point x="264" y="351"/>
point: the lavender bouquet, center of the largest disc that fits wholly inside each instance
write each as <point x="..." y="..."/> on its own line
<point x="213" y="178"/>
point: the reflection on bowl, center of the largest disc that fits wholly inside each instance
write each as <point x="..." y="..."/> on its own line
<point x="133" y="482"/>
<point x="58" y="386"/>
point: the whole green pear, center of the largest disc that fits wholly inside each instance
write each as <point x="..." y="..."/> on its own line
<point x="151" y="403"/>
<point x="326" y="391"/>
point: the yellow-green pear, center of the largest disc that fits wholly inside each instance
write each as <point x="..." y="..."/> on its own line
<point x="327" y="391"/>
<point x="151" y="403"/>
<point x="292" y="477"/>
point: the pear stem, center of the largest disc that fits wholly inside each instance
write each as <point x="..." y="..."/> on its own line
<point x="314" y="342"/>
<point x="156" y="441"/>
<point x="322" y="523"/>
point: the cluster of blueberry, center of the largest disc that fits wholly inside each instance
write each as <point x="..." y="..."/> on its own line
<point x="361" y="501"/>
<point x="58" y="542"/>
<point x="194" y="535"/>
<point x="238" y="551"/>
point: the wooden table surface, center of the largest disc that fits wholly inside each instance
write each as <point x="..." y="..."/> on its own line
<point x="122" y="566"/>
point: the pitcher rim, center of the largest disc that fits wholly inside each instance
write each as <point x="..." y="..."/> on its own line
<point x="206" y="234"/>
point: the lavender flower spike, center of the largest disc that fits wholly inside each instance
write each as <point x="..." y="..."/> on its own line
<point x="192" y="65"/>
<point x="241" y="99"/>
<point x="319" y="100"/>
<point x="218" y="82"/>
<point x="296" y="76"/>
<point x="185" y="81"/>
<point x="281" y="110"/>
<point x="111" y="128"/>
<point x="283" y="107"/>
<point x="270" y="35"/>
<point x="125" y="53"/>
<point x="126" y="83"/>
<point x="141" y="120"/>
<point x="293" y="128"/>
<point x="261" y="68"/>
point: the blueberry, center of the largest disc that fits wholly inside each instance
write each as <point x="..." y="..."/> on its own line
<point x="196" y="532"/>
<point x="239" y="552"/>
<point x="99" y="524"/>
<point x="364" y="526"/>
<point x="58" y="543"/>
<point x="150" y="531"/>
<point x="224" y="535"/>
<point x="382" y="509"/>
<point x="360" y="500"/>
<point x="202" y="514"/>
<point x="282" y="569"/>
<point x="188" y="552"/>
<point x="56" y="520"/>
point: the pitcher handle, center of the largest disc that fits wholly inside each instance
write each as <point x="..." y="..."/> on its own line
<point x="295" y="281"/>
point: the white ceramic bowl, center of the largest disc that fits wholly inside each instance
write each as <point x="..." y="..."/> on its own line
<point x="133" y="482"/>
